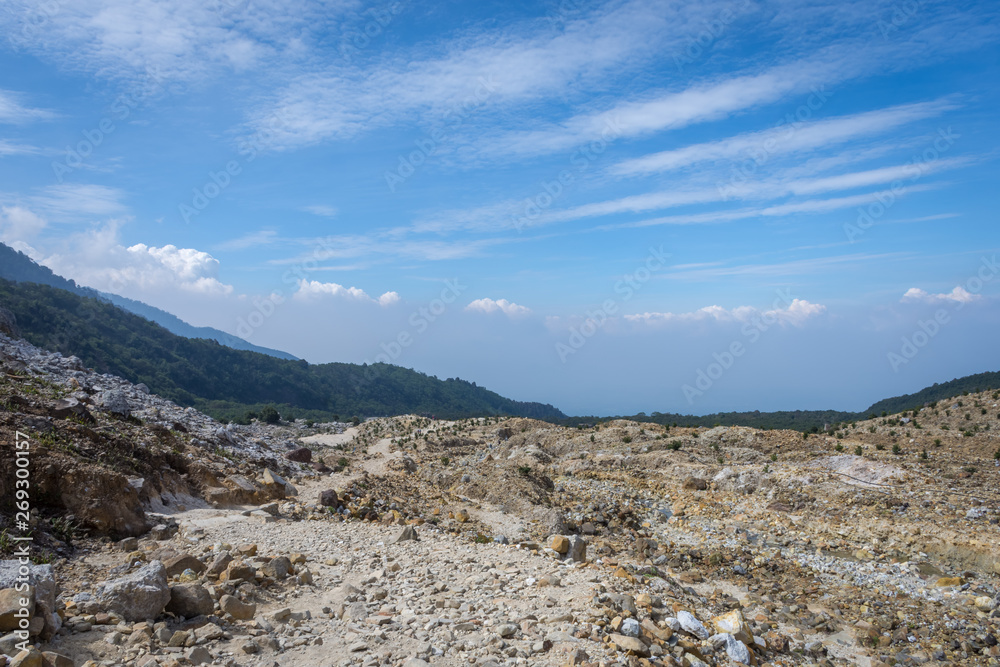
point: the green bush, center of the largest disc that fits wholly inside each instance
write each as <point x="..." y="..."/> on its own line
<point x="269" y="415"/>
<point x="674" y="445"/>
<point x="858" y="451"/>
<point x="896" y="449"/>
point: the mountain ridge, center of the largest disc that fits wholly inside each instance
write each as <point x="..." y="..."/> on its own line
<point x="228" y="383"/>
<point x="17" y="266"/>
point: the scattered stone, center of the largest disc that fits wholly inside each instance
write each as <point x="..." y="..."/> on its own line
<point x="300" y="455"/>
<point x="241" y="611"/>
<point x="137" y="596"/>
<point x="190" y="600"/>
<point x="692" y="625"/>
<point x="407" y="534"/>
<point x="694" y="484"/>
<point x="632" y="644"/>
<point x="329" y="498"/>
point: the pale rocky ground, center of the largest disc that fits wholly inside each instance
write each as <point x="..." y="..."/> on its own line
<point x="817" y="555"/>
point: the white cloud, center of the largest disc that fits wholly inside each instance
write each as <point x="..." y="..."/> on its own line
<point x="15" y="113"/>
<point x="73" y="202"/>
<point x="474" y="71"/>
<point x="263" y="237"/>
<point x="18" y="224"/>
<point x="97" y="259"/>
<point x="796" y="313"/>
<point x="785" y="139"/>
<point x="184" y="40"/>
<point x="388" y="299"/>
<point x="669" y="110"/>
<point x="773" y="188"/>
<point x="313" y="289"/>
<point x="487" y="305"/>
<point x="957" y="295"/>
<point x="8" y="148"/>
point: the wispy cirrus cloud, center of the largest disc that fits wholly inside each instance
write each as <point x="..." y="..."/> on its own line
<point x="14" y="112"/>
<point x="73" y="202"/>
<point x="181" y="41"/>
<point x="796" y="267"/>
<point x="480" y="70"/>
<point x="787" y="139"/>
<point x="772" y="188"/>
<point x="259" y="238"/>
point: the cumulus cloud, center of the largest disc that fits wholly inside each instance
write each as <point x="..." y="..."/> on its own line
<point x="957" y="295"/>
<point x="796" y="313"/>
<point x="138" y="270"/>
<point x="314" y="289"/>
<point x="18" y="224"/>
<point x="504" y="306"/>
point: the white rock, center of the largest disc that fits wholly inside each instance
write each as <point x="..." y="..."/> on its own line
<point x="691" y="624"/>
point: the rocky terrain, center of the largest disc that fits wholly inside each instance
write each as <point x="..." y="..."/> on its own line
<point x="161" y="537"/>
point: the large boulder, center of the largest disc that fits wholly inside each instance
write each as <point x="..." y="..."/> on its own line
<point x="115" y="402"/>
<point x="329" y="498"/>
<point x="190" y="600"/>
<point x="300" y="455"/>
<point x="42" y="580"/>
<point x="241" y="611"/>
<point x="13" y="604"/>
<point x="138" y="596"/>
<point x="103" y="501"/>
<point x="177" y="564"/>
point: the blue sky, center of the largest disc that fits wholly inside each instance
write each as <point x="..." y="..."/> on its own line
<point x="612" y="207"/>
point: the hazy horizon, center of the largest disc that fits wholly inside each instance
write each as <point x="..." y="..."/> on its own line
<point x="610" y="207"/>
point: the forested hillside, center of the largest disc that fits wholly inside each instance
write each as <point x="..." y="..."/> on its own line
<point x="226" y="382"/>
